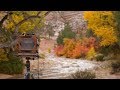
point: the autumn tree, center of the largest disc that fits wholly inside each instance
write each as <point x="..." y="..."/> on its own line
<point x="116" y="47"/>
<point x="102" y="23"/>
<point x="15" y="22"/>
<point x="23" y="21"/>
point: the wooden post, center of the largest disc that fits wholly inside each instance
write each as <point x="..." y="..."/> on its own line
<point x="27" y="69"/>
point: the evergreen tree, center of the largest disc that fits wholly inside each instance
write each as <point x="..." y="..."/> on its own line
<point x="66" y="33"/>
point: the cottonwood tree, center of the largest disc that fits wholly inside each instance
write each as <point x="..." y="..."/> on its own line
<point x="15" y="22"/>
<point x="102" y="23"/>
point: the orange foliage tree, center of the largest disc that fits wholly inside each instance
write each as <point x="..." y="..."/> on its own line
<point x="69" y="45"/>
<point x="75" y="48"/>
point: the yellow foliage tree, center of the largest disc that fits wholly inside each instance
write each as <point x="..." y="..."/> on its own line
<point x="103" y="25"/>
<point x="29" y="24"/>
<point x="26" y="26"/>
<point x="13" y="19"/>
<point x="91" y="54"/>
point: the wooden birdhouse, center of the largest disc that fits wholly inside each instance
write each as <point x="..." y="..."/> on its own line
<point x="27" y="46"/>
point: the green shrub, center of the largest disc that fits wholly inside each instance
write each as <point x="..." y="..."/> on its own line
<point x="66" y="33"/>
<point x="112" y="49"/>
<point x="11" y="67"/>
<point x="60" y="39"/>
<point x="108" y="57"/>
<point x="89" y="33"/>
<point x="83" y="75"/>
<point x="115" y="67"/>
<point x="99" y="57"/>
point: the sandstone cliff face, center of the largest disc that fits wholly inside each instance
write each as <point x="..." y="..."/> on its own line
<point x="58" y="19"/>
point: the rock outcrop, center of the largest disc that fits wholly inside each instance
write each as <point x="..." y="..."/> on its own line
<point x="58" y="19"/>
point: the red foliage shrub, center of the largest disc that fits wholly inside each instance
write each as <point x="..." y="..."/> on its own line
<point x="77" y="51"/>
<point x="69" y="45"/>
<point x="59" y="50"/>
<point x="75" y="48"/>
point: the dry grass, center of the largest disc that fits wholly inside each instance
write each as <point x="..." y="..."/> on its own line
<point x="104" y="71"/>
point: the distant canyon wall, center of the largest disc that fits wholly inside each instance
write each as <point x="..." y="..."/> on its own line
<point x="58" y="18"/>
